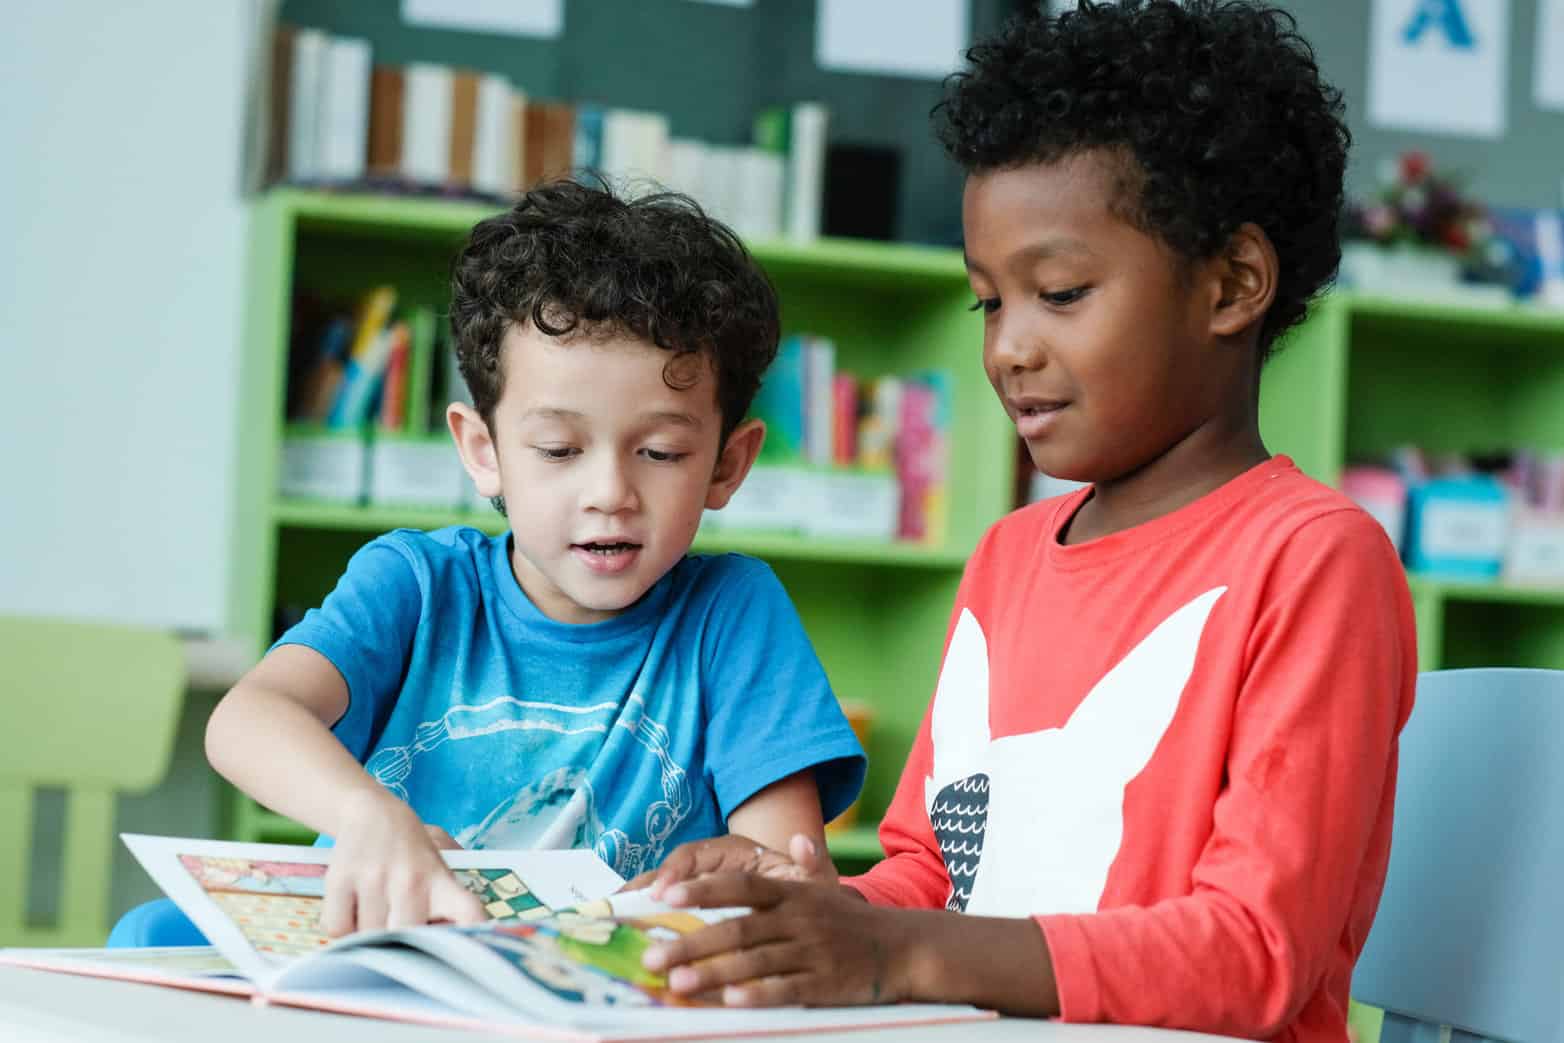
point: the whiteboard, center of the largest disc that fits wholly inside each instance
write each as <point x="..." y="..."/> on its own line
<point x="123" y="237"/>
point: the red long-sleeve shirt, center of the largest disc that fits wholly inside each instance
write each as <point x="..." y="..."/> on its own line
<point x="1175" y="748"/>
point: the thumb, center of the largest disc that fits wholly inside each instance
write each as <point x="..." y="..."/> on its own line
<point x="442" y="840"/>
<point x="805" y="853"/>
<point x="449" y="900"/>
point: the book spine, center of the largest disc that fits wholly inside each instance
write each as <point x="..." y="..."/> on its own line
<point x="385" y="122"/>
<point x="844" y="420"/>
<point x="344" y="125"/>
<point x="806" y="171"/>
<point x="304" y="104"/>
<point x="464" y="127"/>
<point x="820" y="370"/>
<point x="586" y="154"/>
<point x="393" y="394"/>
<point x="279" y="91"/>
<point x="426" y="125"/>
<point x="494" y="145"/>
<point x="877" y="429"/>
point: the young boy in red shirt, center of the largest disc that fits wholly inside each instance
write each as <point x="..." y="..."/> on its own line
<point x="1155" y="783"/>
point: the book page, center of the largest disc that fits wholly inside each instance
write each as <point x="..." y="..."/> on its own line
<point x="199" y="967"/>
<point x="259" y="904"/>
<point x="578" y="969"/>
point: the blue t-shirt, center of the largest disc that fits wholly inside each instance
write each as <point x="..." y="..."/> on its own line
<point x="629" y="736"/>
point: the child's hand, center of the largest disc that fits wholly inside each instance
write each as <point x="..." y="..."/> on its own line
<point x="736" y="854"/>
<point x="386" y="871"/>
<point x="805" y="943"/>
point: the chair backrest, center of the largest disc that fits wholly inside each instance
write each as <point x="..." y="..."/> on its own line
<point x="1470" y="931"/>
<point x="90" y="709"/>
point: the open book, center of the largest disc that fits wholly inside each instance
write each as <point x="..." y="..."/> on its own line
<point x="562" y="956"/>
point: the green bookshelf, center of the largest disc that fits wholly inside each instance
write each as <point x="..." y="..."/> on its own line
<point x="1363" y="375"/>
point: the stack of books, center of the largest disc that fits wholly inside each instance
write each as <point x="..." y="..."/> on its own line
<point x="846" y="456"/>
<point x="340" y="120"/>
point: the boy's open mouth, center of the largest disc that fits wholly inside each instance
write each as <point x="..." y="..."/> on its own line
<point x="607" y="557"/>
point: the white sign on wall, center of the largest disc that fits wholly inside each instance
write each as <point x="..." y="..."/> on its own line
<point x="1439" y="66"/>
<point x="922" y="38"/>
<point x="1550" y="54"/>
<point x="506" y="17"/>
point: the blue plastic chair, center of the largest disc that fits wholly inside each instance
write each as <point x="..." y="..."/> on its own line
<point x="158" y="922"/>
<point x="1470" y="931"/>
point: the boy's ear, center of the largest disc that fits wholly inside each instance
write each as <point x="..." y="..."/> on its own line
<point x="476" y="446"/>
<point x="1246" y="281"/>
<point x="733" y="463"/>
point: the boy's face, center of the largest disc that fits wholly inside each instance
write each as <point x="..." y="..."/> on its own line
<point x="1096" y="336"/>
<point x="605" y="469"/>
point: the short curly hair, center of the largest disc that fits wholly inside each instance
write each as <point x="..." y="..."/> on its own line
<point x="571" y="257"/>
<point x="1219" y="103"/>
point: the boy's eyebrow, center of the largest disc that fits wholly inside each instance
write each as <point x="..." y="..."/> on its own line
<point x="668" y="416"/>
<point x="1040" y="251"/>
<point x="550" y="413"/>
<point x="689" y="420"/>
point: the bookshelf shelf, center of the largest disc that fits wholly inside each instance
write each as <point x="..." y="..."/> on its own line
<point x="1487" y="593"/>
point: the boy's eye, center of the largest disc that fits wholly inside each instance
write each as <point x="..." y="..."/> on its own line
<point x="663" y="456"/>
<point x="1061" y="298"/>
<point x="986" y="305"/>
<point x="556" y="452"/>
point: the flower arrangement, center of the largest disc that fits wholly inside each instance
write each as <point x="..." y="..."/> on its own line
<point x="1419" y="205"/>
<point x="1425" y="217"/>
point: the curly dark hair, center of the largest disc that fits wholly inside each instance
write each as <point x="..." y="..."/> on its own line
<point x="570" y="257"/>
<point x="1219" y="103"/>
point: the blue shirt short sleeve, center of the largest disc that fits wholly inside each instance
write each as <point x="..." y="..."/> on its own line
<point x="366" y="627"/>
<point x="770" y="710"/>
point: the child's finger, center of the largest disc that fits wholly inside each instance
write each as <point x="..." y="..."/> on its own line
<point x="638" y="883"/>
<point x="778" y="990"/>
<point x="442" y="840"/>
<point x="717" y="940"/>
<point x="372" y="905"/>
<point x="338" y="907"/>
<point x="449" y="900"/>
<point x="738" y="968"/>
<point x="719" y="890"/>
<point x="408" y="907"/>
<point x="692" y="860"/>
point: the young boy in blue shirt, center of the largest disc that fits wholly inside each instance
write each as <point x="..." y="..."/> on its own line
<point x="1155" y="782"/>
<point x="580" y="680"/>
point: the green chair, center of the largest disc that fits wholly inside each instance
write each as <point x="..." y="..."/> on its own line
<point x="90" y="709"/>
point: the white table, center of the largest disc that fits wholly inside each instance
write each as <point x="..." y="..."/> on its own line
<point x="41" y="1007"/>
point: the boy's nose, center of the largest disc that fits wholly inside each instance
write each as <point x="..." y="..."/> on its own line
<point x="1011" y="349"/>
<point x="610" y="490"/>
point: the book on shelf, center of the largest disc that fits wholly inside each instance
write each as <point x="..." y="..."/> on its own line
<point x="560" y="954"/>
<point x="548" y="149"/>
<point x="798" y="133"/>
<point x="343" y="121"/>
<point x="427" y="108"/>
<point x="305" y="66"/>
<point x="842" y="456"/>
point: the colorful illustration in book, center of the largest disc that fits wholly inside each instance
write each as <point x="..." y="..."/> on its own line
<point x="276" y="905"/>
<point x="504" y="894"/>
<point x="582" y="956"/>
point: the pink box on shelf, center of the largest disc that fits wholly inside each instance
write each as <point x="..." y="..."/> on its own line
<point x="1382" y="493"/>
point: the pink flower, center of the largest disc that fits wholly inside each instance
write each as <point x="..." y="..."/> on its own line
<point x="1415" y="166"/>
